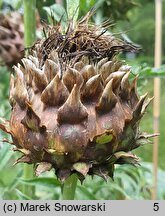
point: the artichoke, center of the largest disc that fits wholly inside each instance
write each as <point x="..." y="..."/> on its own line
<point x="11" y="38"/>
<point x="74" y="108"/>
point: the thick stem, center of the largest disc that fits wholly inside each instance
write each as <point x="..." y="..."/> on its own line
<point x="69" y="187"/>
<point x="28" y="174"/>
<point x="29" y="22"/>
<point x="29" y="39"/>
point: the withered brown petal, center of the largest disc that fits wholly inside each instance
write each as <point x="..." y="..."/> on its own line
<point x="50" y="69"/>
<point x="87" y="72"/>
<point x="93" y="88"/>
<point x="72" y="77"/>
<point x="73" y="111"/>
<point x="42" y="167"/>
<point x="55" y="93"/>
<point x="108" y="99"/>
<point x="31" y="120"/>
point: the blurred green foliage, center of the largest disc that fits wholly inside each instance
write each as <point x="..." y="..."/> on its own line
<point x="41" y="4"/>
<point x="4" y="91"/>
<point x="140" y="27"/>
<point x="15" y="4"/>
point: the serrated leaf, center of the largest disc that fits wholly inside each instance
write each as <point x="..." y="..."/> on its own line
<point x="5" y="156"/>
<point x="86" y="193"/>
<point x="73" y="9"/>
<point x="44" y="181"/>
<point x="57" y="11"/>
<point x="22" y="196"/>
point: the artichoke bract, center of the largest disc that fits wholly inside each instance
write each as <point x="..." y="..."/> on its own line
<point x="73" y="106"/>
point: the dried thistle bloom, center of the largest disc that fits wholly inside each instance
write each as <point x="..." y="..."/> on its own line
<point x="73" y="106"/>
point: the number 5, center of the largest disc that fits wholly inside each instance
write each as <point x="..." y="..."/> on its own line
<point x="156" y="207"/>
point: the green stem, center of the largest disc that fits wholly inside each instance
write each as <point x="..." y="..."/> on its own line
<point x="29" y="38"/>
<point x="28" y="174"/>
<point x="29" y="22"/>
<point x="69" y="187"/>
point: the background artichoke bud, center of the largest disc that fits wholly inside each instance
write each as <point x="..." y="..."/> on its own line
<point x="11" y="38"/>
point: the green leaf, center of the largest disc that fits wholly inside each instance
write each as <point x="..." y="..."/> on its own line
<point x="131" y="171"/>
<point x="1" y="1"/>
<point x="69" y="187"/>
<point x="86" y="193"/>
<point x="5" y="155"/>
<point x="44" y="181"/>
<point x="103" y="139"/>
<point x="73" y="9"/>
<point x="121" y="192"/>
<point x="15" y="181"/>
<point x="22" y="196"/>
<point x="57" y="11"/>
<point x="146" y="71"/>
<point x="1" y="192"/>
